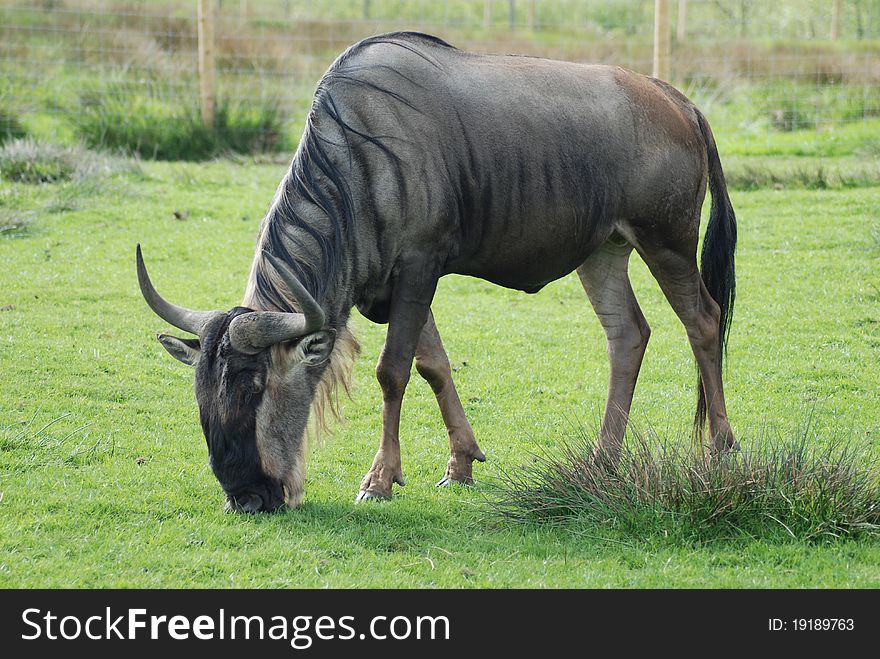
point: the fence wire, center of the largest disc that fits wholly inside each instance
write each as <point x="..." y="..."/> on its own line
<point x="93" y="69"/>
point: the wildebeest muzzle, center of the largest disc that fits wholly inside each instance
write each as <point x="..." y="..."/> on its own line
<point x="262" y="496"/>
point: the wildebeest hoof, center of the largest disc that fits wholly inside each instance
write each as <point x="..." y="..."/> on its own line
<point x="366" y="495"/>
<point x="378" y="482"/>
<point x="446" y="481"/>
<point x="460" y="468"/>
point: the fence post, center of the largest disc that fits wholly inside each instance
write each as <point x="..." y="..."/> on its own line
<point x="662" y="39"/>
<point x="242" y="10"/>
<point x="835" y="19"/>
<point x="511" y="14"/>
<point x="206" y="62"/>
<point x="532" y="15"/>
<point x="487" y="14"/>
<point x="681" y="24"/>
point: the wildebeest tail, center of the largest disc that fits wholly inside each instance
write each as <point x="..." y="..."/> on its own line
<point x="717" y="258"/>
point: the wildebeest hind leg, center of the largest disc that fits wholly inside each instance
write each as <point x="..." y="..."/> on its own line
<point x="675" y="269"/>
<point x="411" y="297"/>
<point x="606" y="280"/>
<point x="432" y="364"/>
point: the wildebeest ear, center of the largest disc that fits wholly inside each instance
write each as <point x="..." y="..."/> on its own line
<point x="315" y="348"/>
<point x="186" y="350"/>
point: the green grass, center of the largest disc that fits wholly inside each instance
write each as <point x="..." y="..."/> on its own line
<point x="29" y="161"/>
<point x="160" y="121"/>
<point x="754" y="139"/>
<point x="117" y="491"/>
<point x="801" y="486"/>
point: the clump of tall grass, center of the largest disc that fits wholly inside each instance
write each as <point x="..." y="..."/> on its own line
<point x="30" y="161"/>
<point x="10" y="127"/>
<point x="795" y="486"/>
<point x="147" y="118"/>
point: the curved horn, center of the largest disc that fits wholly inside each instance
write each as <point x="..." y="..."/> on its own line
<point x="255" y="331"/>
<point x="309" y="308"/>
<point x="188" y="321"/>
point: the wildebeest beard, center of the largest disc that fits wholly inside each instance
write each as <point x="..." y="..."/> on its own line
<point x="229" y="388"/>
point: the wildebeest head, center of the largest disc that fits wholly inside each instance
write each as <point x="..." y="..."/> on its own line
<point x="256" y="374"/>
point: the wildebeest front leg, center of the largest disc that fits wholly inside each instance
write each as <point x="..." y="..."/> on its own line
<point x="606" y="280"/>
<point x="432" y="364"/>
<point x="410" y="307"/>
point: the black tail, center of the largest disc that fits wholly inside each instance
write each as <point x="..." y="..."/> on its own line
<point x="716" y="260"/>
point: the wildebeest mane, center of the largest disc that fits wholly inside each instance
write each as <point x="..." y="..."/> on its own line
<point x="316" y="177"/>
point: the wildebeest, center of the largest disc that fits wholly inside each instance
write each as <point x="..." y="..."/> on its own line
<point x="419" y="160"/>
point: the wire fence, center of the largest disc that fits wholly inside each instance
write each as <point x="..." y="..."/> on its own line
<point x="122" y="72"/>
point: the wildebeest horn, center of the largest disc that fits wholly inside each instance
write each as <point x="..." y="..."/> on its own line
<point x="185" y="319"/>
<point x="252" y="332"/>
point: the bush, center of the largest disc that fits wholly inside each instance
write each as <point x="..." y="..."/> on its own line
<point x="29" y="161"/>
<point x="145" y="118"/>
<point x="789" y="487"/>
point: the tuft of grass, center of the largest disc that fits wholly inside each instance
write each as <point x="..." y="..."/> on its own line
<point x="148" y="119"/>
<point x="14" y="222"/>
<point x="10" y="127"/>
<point x="29" y="161"/>
<point x="796" y="486"/>
<point x="250" y="127"/>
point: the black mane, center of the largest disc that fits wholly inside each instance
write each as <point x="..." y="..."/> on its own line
<point x="315" y="177"/>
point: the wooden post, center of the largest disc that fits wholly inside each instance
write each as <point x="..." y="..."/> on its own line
<point x="681" y="24"/>
<point x="487" y="14"/>
<point x="662" y="39"/>
<point x="532" y="10"/>
<point x="206" y="62"/>
<point x="835" y="19"/>
<point x="511" y="13"/>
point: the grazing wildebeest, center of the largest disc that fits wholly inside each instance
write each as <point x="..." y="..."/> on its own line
<point x="420" y="160"/>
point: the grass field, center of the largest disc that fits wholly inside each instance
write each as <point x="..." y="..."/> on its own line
<point x="103" y="473"/>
